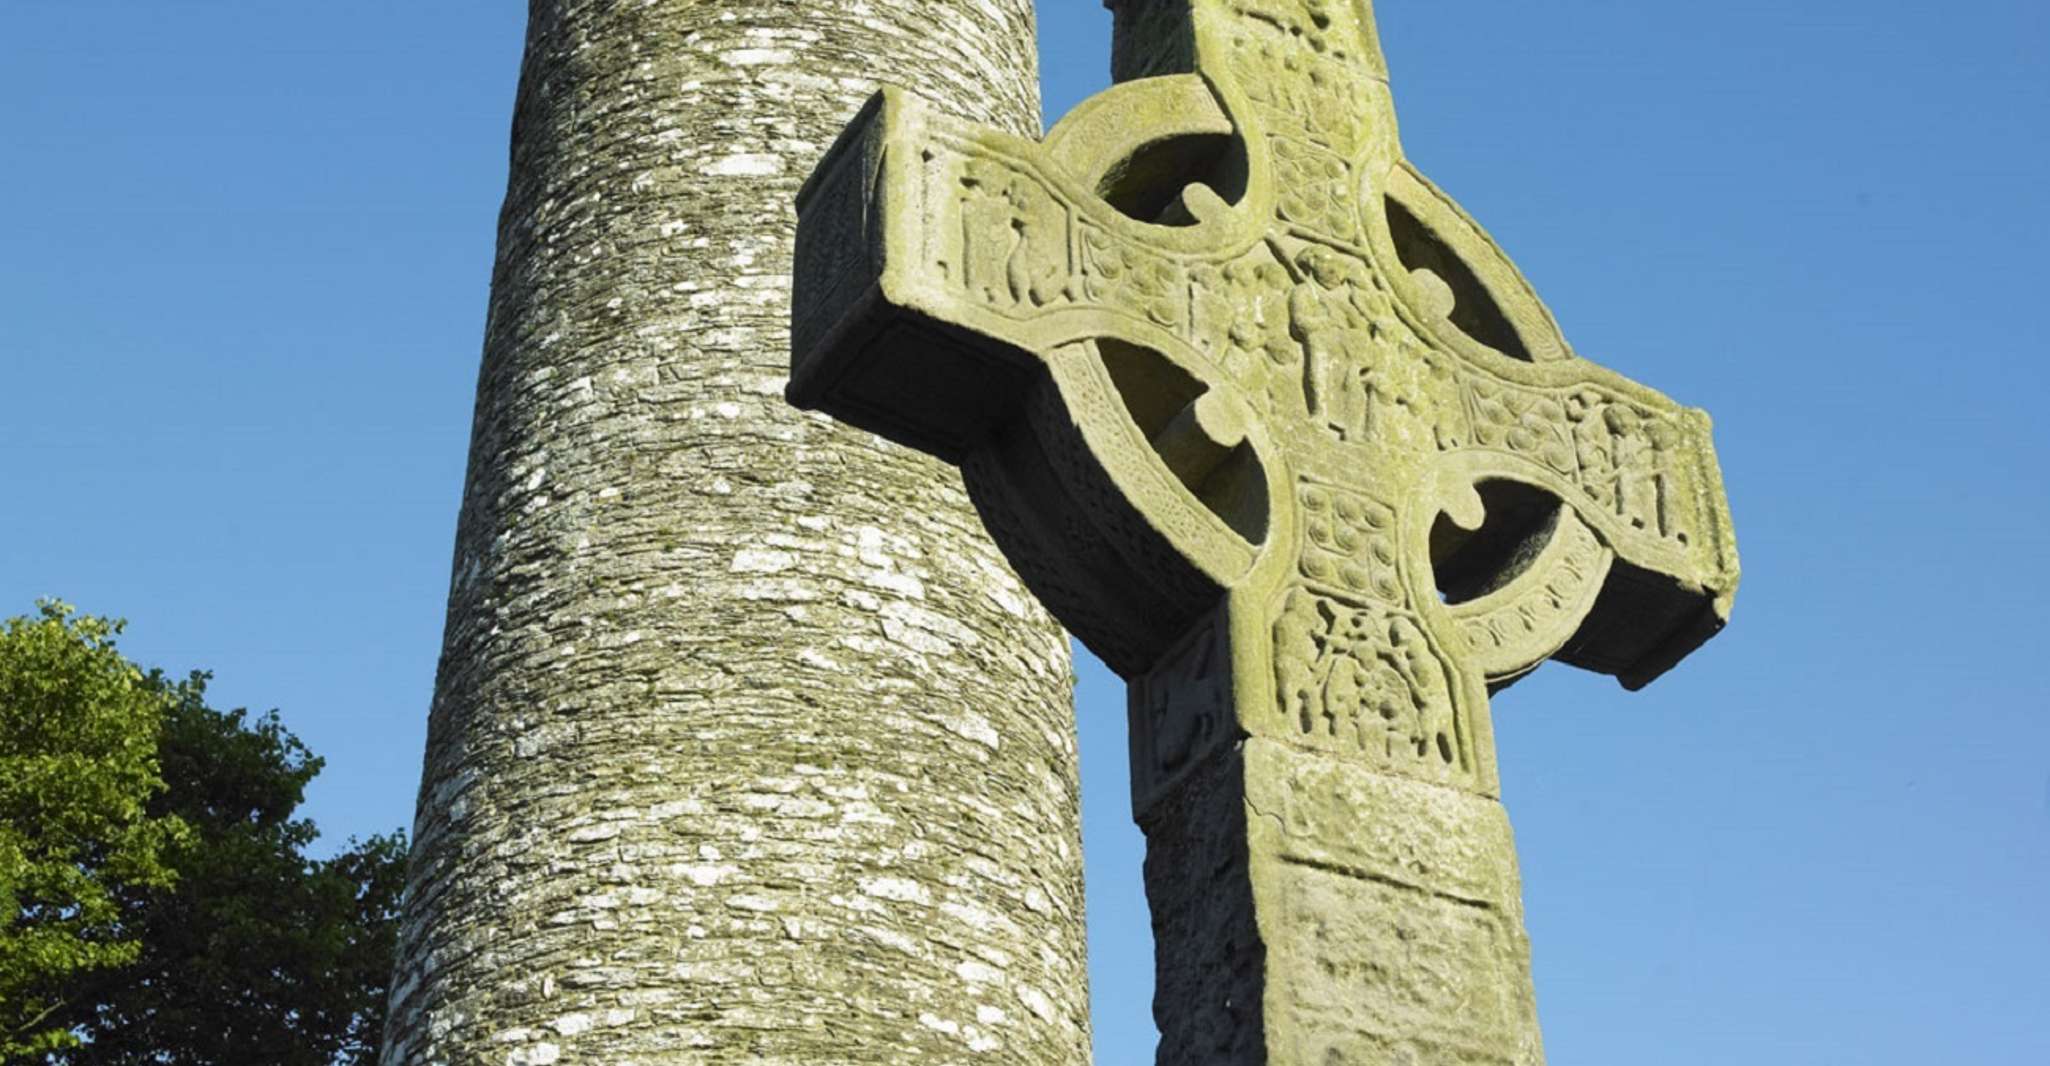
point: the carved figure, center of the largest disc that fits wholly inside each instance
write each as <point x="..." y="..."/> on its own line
<point x="1266" y="331"/>
<point x="1317" y="311"/>
<point x="1353" y="679"/>
<point x="1430" y="691"/>
<point x="1637" y="470"/>
<point x="1297" y="647"/>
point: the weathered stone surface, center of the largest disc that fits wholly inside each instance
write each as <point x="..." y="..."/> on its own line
<point x="747" y="745"/>
<point x="1273" y="426"/>
<point x="1394" y="908"/>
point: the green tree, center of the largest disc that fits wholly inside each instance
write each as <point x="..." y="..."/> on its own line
<point x="78" y="831"/>
<point x="259" y="953"/>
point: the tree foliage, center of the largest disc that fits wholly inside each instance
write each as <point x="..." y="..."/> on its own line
<point x="230" y="944"/>
<point x="78" y="831"/>
<point x="258" y="953"/>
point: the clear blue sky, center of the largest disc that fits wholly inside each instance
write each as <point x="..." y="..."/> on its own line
<point x="242" y="282"/>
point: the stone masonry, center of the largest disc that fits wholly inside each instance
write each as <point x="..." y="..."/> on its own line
<point x="747" y="744"/>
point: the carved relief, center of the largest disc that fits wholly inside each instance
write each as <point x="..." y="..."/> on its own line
<point x="1121" y="275"/>
<point x="1526" y="423"/>
<point x="1139" y="530"/>
<point x="1013" y="239"/>
<point x="1012" y="251"/>
<point x="1438" y="385"/>
<point x="1336" y="380"/>
<point x="1182" y="707"/>
<point x="1364" y="678"/>
<point x="1316" y="189"/>
<point x="1241" y="320"/>
<point x="1623" y="463"/>
<point x="1540" y="613"/>
<point x="1300" y="40"/>
<point x="1309" y="106"/>
<point x="1350" y="367"/>
<point x="1622" y="456"/>
<point x="1348" y="543"/>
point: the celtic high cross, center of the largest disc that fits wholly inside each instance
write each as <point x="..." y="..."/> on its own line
<point x="1280" y="434"/>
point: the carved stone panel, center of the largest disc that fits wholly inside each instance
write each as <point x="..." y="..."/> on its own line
<point x="1181" y="710"/>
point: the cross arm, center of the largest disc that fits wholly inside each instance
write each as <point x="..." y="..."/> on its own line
<point x="863" y="348"/>
<point x="1583" y="518"/>
<point x="906" y="321"/>
<point x="939" y="262"/>
<point x="992" y="301"/>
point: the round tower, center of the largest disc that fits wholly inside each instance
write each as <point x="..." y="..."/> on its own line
<point x="746" y="745"/>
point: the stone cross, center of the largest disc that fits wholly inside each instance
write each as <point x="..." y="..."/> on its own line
<point x="1282" y="436"/>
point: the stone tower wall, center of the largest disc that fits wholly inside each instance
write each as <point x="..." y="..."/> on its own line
<point x="747" y="746"/>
